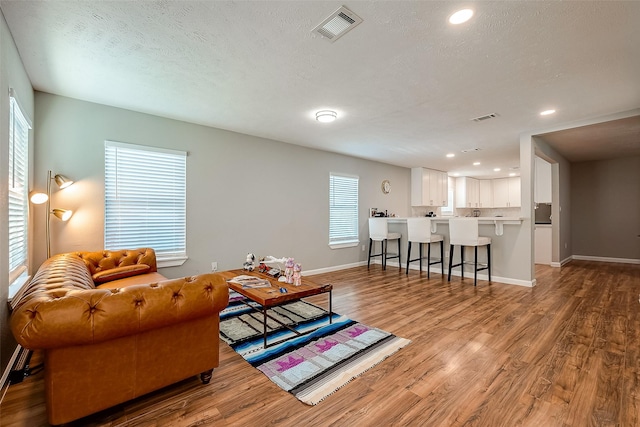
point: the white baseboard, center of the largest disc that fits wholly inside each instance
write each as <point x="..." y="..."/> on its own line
<point x="434" y="269"/>
<point x="333" y="268"/>
<point x="607" y="259"/>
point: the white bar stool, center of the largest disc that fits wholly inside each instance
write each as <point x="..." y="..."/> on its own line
<point x="419" y="231"/>
<point x="464" y="232"/>
<point x="379" y="232"/>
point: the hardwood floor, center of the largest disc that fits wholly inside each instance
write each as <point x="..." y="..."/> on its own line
<point x="565" y="353"/>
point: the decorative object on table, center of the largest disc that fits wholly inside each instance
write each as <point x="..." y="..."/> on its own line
<point x="249" y="263"/>
<point x="262" y="267"/>
<point x="386" y="186"/>
<point x="297" y="274"/>
<point x="288" y="270"/>
<point x="275" y="271"/>
<point x="373" y="212"/>
<point x="312" y="366"/>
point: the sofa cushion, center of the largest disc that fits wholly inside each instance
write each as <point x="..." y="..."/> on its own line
<point x="120" y="272"/>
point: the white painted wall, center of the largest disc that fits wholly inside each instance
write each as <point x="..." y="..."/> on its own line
<point x="244" y="194"/>
<point x="12" y="74"/>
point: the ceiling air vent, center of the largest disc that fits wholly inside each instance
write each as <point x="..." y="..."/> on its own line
<point x="485" y="117"/>
<point x="338" y="24"/>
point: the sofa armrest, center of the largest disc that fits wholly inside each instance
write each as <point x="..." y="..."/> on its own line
<point x="90" y="316"/>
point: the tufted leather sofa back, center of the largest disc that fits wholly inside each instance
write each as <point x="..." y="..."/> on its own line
<point x="106" y="260"/>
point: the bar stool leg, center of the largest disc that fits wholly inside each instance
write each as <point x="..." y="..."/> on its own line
<point x="384" y="254"/>
<point x="475" y="266"/>
<point x="450" y="261"/>
<point x="461" y="262"/>
<point x="369" y="259"/>
<point x="408" y="256"/>
<point x="420" y="254"/>
<point x="428" y="261"/>
<point x="489" y="260"/>
<point x="442" y="256"/>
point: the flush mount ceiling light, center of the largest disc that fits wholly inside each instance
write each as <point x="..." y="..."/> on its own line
<point x="547" y="112"/>
<point x="326" y="116"/>
<point x="461" y="16"/>
<point x="476" y="163"/>
<point x="496" y="170"/>
<point x="451" y="155"/>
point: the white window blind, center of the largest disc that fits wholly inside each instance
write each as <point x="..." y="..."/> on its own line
<point x="343" y="210"/>
<point x="18" y="190"/>
<point x="145" y="199"/>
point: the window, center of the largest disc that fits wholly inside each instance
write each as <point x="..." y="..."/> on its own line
<point x="343" y="211"/>
<point x="145" y="200"/>
<point x="18" y="195"/>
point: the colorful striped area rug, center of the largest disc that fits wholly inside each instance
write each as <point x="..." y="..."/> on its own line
<point x="312" y="366"/>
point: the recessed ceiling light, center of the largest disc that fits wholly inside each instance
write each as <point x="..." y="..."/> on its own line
<point x="547" y="112"/>
<point x="326" y="116"/>
<point x="496" y="170"/>
<point x="456" y="174"/>
<point x="451" y="155"/>
<point x="476" y="163"/>
<point x="461" y="16"/>
<point x="512" y="174"/>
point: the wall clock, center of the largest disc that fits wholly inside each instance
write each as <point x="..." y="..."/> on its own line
<point x="386" y="186"/>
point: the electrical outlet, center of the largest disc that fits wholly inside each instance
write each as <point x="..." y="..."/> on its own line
<point x="214" y="266"/>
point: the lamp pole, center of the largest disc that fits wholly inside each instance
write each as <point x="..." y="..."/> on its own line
<point x="47" y="230"/>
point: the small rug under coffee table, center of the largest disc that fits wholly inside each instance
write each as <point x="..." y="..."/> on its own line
<point x="312" y="366"/>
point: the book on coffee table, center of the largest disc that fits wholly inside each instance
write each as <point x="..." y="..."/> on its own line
<point x="250" y="282"/>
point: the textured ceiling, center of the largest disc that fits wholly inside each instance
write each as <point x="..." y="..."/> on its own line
<point x="404" y="82"/>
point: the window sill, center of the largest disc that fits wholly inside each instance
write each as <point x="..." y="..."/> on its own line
<point x="342" y="245"/>
<point x="171" y="261"/>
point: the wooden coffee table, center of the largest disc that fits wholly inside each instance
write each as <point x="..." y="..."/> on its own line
<point x="270" y="297"/>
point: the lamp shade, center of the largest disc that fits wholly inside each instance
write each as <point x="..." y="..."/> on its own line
<point x="62" y="214"/>
<point x="62" y="181"/>
<point x="39" y="198"/>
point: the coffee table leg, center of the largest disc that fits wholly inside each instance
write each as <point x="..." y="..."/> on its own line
<point x="264" y="324"/>
<point x="330" y="307"/>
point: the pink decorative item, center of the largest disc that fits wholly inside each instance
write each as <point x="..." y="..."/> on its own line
<point x="288" y="270"/>
<point x="297" y="275"/>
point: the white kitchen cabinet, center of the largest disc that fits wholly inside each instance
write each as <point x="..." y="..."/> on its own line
<point x="485" y="190"/>
<point x="506" y="192"/>
<point x="467" y="192"/>
<point x="428" y="187"/>
<point x="542" y="191"/>
<point x="543" y="244"/>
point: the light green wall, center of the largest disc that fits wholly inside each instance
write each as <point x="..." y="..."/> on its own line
<point x="244" y="194"/>
<point x="605" y="196"/>
<point x="12" y="74"/>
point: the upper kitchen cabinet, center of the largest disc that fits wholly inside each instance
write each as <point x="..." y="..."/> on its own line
<point x="506" y="192"/>
<point x="542" y="191"/>
<point x="485" y="187"/>
<point x="467" y="192"/>
<point x="428" y="187"/>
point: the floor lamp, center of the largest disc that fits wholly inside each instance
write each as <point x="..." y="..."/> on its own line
<point x="62" y="214"/>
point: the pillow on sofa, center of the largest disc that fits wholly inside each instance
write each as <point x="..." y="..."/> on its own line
<point x="120" y="272"/>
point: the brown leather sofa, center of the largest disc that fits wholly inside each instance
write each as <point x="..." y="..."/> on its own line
<point x="112" y="328"/>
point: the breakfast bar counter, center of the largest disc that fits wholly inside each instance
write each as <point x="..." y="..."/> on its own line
<point x="498" y="221"/>
<point x="505" y="233"/>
